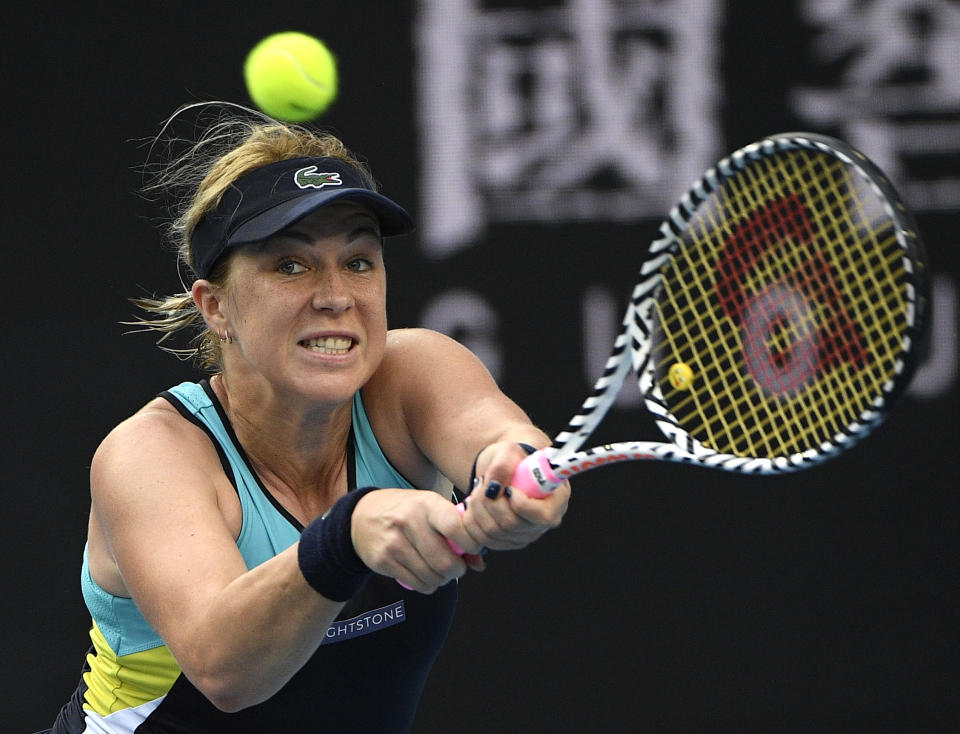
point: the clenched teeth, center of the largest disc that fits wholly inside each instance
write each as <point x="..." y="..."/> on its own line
<point x="329" y="344"/>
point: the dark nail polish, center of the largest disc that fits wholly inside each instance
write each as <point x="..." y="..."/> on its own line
<point x="493" y="489"/>
<point x="508" y="492"/>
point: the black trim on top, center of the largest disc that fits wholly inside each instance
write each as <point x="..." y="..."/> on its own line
<point x="185" y="412"/>
<point x="351" y="461"/>
<point x="205" y="384"/>
<point x="351" y="468"/>
<point x="225" y="462"/>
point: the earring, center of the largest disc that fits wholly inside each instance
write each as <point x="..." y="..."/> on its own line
<point x="226" y="338"/>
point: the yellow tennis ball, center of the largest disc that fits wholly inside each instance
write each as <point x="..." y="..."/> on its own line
<point x="291" y="76"/>
<point x="680" y="375"/>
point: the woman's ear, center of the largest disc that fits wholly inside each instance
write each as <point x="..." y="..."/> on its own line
<point x="207" y="297"/>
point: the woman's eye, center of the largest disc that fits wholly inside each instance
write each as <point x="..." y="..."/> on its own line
<point x="360" y="265"/>
<point x="290" y="267"/>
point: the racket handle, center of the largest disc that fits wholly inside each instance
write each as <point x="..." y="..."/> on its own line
<point x="461" y="508"/>
<point x="533" y="476"/>
<point x="526" y="479"/>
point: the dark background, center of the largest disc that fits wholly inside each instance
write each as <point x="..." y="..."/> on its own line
<point x="672" y="599"/>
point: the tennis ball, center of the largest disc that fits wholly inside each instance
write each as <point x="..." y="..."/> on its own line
<point x="291" y="76"/>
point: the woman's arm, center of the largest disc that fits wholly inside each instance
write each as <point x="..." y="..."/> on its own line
<point x="453" y="413"/>
<point x="238" y="635"/>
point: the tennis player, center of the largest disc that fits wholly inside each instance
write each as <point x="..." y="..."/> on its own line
<point x="248" y="531"/>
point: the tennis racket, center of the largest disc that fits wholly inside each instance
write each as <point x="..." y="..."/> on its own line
<point x="776" y="321"/>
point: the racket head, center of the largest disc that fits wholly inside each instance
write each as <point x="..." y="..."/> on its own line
<point x="781" y="313"/>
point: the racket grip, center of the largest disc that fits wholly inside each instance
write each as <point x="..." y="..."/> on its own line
<point x="526" y="478"/>
<point x="461" y="508"/>
<point x="535" y="477"/>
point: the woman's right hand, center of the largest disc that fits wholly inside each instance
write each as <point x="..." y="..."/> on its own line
<point x="403" y="533"/>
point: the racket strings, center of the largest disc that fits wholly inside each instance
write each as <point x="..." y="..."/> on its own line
<point x="786" y="302"/>
<point x="731" y="415"/>
<point x="846" y="276"/>
<point x="691" y="332"/>
<point x="750" y="417"/>
<point x="866" y="272"/>
<point x="689" y="409"/>
<point x="849" y="346"/>
<point x="730" y="376"/>
<point x="796" y="418"/>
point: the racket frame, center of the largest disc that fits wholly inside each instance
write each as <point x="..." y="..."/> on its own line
<point x="547" y="468"/>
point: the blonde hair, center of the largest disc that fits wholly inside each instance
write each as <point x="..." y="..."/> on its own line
<point x="236" y="141"/>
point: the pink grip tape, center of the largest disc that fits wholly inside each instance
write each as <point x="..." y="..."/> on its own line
<point x="535" y="477"/>
<point x="461" y="508"/>
<point x="524" y="479"/>
<point x="532" y="475"/>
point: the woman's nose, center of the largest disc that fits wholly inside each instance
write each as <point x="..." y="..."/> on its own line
<point x="331" y="293"/>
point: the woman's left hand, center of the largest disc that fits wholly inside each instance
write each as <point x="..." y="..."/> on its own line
<point x="499" y="517"/>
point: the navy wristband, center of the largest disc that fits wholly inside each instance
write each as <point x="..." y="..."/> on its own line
<point x="327" y="558"/>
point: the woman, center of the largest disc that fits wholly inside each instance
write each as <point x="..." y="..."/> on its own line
<point x="248" y="532"/>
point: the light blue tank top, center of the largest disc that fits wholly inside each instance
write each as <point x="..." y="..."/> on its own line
<point x="266" y="530"/>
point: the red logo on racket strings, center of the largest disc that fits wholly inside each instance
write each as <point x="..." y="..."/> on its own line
<point x="784" y="347"/>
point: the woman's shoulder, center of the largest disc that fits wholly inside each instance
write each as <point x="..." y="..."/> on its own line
<point x="156" y="415"/>
<point x="155" y="431"/>
<point x="415" y="359"/>
<point x="396" y="391"/>
<point x="418" y="348"/>
<point x="412" y="337"/>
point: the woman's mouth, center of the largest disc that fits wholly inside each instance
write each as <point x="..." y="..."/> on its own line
<point x="328" y="344"/>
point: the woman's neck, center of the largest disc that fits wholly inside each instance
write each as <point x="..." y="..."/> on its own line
<point x="298" y="450"/>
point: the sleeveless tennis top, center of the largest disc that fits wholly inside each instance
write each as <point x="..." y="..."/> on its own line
<point x="366" y="676"/>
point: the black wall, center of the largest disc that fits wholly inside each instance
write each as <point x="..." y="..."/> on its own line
<point x="672" y="599"/>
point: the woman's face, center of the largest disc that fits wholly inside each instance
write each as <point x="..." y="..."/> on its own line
<point x="307" y="307"/>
